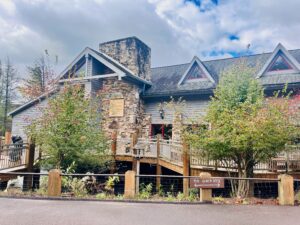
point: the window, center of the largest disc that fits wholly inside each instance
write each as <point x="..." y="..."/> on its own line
<point x="195" y="72"/>
<point x="279" y="63"/>
<point x="165" y="130"/>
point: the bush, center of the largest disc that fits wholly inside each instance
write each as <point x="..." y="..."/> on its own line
<point x="180" y="196"/>
<point x="43" y="190"/>
<point x="145" y="192"/>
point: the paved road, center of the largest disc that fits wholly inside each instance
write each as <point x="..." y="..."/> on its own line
<point x="42" y="212"/>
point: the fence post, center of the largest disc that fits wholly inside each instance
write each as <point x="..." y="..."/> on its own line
<point x="54" y="183"/>
<point x="286" y="190"/>
<point x="186" y="168"/>
<point x="158" y="166"/>
<point x="205" y="193"/>
<point x="130" y="178"/>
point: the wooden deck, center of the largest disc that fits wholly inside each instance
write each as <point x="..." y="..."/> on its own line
<point x="170" y="155"/>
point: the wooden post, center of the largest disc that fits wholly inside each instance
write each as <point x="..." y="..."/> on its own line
<point x="186" y="168"/>
<point x="133" y="143"/>
<point x="54" y="183"/>
<point x="129" y="191"/>
<point x="158" y="166"/>
<point x="205" y="193"/>
<point x="29" y="161"/>
<point x="114" y="151"/>
<point x="7" y="137"/>
<point x="286" y="193"/>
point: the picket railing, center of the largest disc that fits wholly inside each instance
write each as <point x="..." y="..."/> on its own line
<point x="171" y="151"/>
<point x="13" y="155"/>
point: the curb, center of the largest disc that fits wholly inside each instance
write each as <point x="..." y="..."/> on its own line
<point x="105" y="200"/>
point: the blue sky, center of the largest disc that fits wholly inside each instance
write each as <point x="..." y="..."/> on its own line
<point x="176" y="30"/>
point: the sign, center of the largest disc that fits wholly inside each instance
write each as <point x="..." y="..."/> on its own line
<point x="206" y="182"/>
<point x="116" y="107"/>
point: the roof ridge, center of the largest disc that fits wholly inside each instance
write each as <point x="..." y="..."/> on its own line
<point x="170" y="65"/>
<point x="211" y="60"/>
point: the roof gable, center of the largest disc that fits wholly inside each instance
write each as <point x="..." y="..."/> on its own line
<point x="196" y="72"/>
<point x="280" y="61"/>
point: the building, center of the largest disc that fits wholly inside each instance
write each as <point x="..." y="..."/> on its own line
<point x="132" y="92"/>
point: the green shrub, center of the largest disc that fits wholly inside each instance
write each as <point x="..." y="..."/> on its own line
<point x="193" y="194"/>
<point x="43" y="189"/>
<point x="180" y="196"/>
<point x="145" y="192"/>
<point x="170" y="197"/>
<point x="110" y="183"/>
<point x="101" y="196"/>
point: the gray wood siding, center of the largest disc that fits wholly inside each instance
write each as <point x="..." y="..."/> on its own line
<point x="193" y="110"/>
<point x="24" y="118"/>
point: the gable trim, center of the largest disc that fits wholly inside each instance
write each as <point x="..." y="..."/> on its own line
<point x="276" y="51"/>
<point x="202" y="67"/>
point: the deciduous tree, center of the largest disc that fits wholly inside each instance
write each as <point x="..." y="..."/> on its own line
<point x="245" y="129"/>
<point x="69" y="131"/>
<point x="40" y="79"/>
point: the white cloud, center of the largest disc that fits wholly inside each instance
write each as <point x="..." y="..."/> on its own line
<point x="174" y="29"/>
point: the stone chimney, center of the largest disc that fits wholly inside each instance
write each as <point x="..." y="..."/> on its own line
<point x="130" y="52"/>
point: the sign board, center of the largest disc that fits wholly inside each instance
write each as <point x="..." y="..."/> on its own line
<point x="206" y="182"/>
<point x="116" y="107"/>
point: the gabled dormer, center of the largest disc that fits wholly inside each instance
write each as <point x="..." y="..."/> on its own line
<point x="280" y="62"/>
<point x="196" y="72"/>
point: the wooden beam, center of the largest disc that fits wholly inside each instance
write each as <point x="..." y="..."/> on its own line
<point x="89" y="77"/>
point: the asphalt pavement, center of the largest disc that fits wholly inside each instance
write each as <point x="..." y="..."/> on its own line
<point x="52" y="212"/>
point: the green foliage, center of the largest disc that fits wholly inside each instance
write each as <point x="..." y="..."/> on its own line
<point x="102" y="196"/>
<point x="193" y="194"/>
<point x="180" y="196"/>
<point x="244" y="127"/>
<point x="69" y="131"/>
<point x="160" y="191"/>
<point x="43" y="189"/>
<point x="170" y="197"/>
<point x="73" y="184"/>
<point x="145" y="191"/>
<point x="110" y="183"/>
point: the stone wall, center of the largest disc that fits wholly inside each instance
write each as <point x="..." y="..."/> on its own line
<point x="131" y="53"/>
<point x="133" y="117"/>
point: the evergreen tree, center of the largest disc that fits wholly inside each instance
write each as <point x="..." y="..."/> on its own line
<point x="8" y="85"/>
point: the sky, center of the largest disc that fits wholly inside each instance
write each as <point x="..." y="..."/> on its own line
<point x="176" y="30"/>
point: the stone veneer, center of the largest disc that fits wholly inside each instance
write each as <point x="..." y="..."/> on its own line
<point x="133" y="119"/>
<point x="131" y="53"/>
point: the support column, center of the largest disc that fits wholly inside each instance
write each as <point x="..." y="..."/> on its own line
<point x="286" y="193"/>
<point x="205" y="193"/>
<point x="158" y="166"/>
<point x="186" y="168"/>
<point x="114" y="151"/>
<point x="133" y="143"/>
<point x="29" y="161"/>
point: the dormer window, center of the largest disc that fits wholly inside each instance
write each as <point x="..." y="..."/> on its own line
<point x="279" y="63"/>
<point x="195" y="73"/>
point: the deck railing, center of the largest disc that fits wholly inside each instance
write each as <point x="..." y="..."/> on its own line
<point x="171" y="151"/>
<point x="13" y="155"/>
